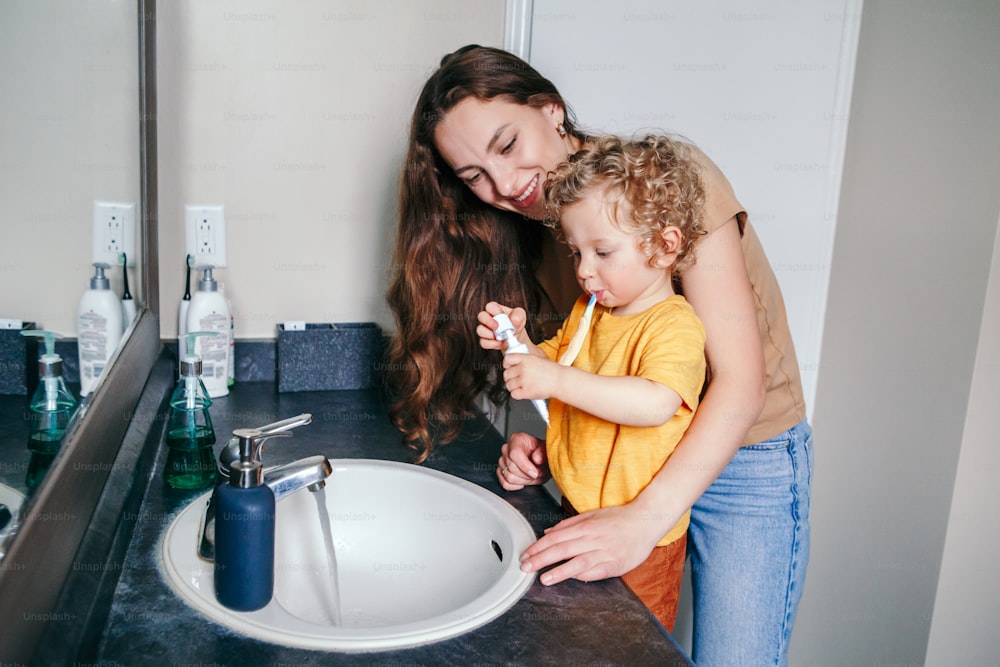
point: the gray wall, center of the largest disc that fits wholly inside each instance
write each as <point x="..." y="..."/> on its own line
<point x="912" y="255"/>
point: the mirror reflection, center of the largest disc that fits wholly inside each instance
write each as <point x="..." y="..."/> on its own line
<point x="69" y="180"/>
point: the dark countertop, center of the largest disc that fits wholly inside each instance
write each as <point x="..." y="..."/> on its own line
<point x="14" y="454"/>
<point x="570" y="623"/>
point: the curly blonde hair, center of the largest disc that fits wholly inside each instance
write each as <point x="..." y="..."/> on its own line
<point x="657" y="179"/>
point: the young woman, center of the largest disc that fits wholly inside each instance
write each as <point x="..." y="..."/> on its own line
<point x="486" y="131"/>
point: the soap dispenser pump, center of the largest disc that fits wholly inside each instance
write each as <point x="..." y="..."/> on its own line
<point x="51" y="409"/>
<point x="190" y="459"/>
<point x="244" y="529"/>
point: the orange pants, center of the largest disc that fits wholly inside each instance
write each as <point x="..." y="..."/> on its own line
<point x="656" y="581"/>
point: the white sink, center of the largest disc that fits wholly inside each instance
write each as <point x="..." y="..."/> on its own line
<point x="421" y="556"/>
<point x="13" y="499"/>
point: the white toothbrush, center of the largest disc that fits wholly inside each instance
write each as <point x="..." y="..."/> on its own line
<point x="576" y="342"/>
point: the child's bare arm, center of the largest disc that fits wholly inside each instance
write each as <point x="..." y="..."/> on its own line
<point x="626" y="400"/>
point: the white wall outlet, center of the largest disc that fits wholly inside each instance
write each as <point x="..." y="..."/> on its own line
<point x="114" y="233"/>
<point x="205" y="235"/>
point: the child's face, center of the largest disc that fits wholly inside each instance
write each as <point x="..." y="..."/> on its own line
<point x="609" y="261"/>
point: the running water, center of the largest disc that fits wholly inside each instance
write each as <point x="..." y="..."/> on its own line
<point x="330" y="592"/>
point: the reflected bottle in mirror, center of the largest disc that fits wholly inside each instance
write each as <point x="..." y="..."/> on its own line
<point x="51" y="408"/>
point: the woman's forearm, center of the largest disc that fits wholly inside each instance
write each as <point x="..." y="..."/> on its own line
<point x="719" y="290"/>
<point x="717" y="431"/>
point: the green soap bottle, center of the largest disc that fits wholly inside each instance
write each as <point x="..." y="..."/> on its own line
<point x="190" y="458"/>
<point x="50" y="409"/>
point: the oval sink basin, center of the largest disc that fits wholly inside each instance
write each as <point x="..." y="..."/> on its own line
<point x="420" y="556"/>
<point x="12" y="499"/>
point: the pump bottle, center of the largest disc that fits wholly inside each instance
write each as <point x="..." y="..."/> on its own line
<point x="51" y="409"/>
<point x="190" y="459"/>
<point x="244" y="529"/>
<point x="98" y="328"/>
<point x="208" y="312"/>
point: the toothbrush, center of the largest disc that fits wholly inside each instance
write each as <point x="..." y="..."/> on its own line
<point x="186" y="300"/>
<point x="128" y="303"/>
<point x="576" y="342"/>
<point x="505" y="332"/>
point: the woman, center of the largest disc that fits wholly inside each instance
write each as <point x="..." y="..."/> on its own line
<point x="486" y="130"/>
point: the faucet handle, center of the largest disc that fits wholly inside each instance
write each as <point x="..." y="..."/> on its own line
<point x="285" y="424"/>
<point x="231" y="452"/>
<point x="248" y="471"/>
<point x="250" y="442"/>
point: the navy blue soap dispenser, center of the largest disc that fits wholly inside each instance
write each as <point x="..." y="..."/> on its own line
<point x="244" y="529"/>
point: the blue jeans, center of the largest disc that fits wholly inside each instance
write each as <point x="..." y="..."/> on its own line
<point x="748" y="546"/>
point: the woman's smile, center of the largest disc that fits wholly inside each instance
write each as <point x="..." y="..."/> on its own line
<point x="527" y="196"/>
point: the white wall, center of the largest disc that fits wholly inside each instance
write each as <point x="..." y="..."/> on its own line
<point x="294" y="116"/>
<point x="967" y="605"/>
<point x="914" y="246"/>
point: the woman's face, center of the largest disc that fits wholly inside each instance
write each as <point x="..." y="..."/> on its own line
<point x="502" y="151"/>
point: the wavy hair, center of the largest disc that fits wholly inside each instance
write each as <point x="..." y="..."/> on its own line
<point x="453" y="254"/>
<point x="657" y="179"/>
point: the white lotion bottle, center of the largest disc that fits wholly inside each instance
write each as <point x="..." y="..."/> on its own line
<point x="208" y="312"/>
<point x="98" y="328"/>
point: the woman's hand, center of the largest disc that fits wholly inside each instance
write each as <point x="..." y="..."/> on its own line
<point x="522" y="462"/>
<point x="595" y="545"/>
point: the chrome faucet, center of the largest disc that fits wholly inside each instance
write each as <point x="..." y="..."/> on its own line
<point x="307" y="473"/>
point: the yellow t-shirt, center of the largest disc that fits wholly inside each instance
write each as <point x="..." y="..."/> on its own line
<point x="597" y="463"/>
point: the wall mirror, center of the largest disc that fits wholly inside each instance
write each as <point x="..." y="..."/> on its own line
<point x="71" y="135"/>
<point x="78" y="125"/>
<point x="69" y="138"/>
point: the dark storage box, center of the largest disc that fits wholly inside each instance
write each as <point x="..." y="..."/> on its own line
<point x="18" y="360"/>
<point x="326" y="357"/>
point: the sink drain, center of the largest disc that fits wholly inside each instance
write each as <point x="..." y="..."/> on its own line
<point x="497" y="550"/>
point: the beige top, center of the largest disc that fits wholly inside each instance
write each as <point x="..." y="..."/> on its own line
<point x="784" y="405"/>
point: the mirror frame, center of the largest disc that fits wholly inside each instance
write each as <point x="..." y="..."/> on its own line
<point x="53" y="522"/>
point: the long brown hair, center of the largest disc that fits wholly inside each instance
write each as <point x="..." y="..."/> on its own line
<point x="454" y="254"/>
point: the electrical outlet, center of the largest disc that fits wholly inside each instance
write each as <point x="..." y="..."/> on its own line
<point x="205" y="235"/>
<point x="114" y="233"/>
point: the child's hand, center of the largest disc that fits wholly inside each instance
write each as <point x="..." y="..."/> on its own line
<point x="487" y="325"/>
<point x="522" y="462"/>
<point x="530" y="376"/>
